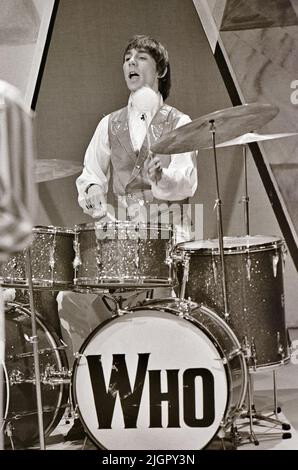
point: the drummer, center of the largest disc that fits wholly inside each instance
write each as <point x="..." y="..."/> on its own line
<point x="146" y="187"/>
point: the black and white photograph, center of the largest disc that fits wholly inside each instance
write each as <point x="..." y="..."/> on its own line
<point x="148" y="230"/>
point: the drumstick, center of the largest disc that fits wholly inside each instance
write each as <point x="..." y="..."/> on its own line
<point x="111" y="217"/>
<point x="108" y="215"/>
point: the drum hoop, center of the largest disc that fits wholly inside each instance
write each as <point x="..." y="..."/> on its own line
<point x="52" y="229"/>
<point x="6" y="408"/>
<point x="37" y="283"/>
<point x="140" y="282"/>
<point x="173" y="312"/>
<point x="235" y="250"/>
<point x="152" y="305"/>
<point x="187" y="316"/>
<point x="125" y="224"/>
<point x="52" y="342"/>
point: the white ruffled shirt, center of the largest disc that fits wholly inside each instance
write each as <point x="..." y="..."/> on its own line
<point x="178" y="181"/>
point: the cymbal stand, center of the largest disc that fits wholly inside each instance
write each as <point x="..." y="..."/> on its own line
<point x="218" y="204"/>
<point x="245" y="198"/>
<point x="252" y="414"/>
<point x="34" y="341"/>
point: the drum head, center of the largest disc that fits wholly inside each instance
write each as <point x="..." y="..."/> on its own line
<point x="231" y="243"/>
<point x="150" y="379"/>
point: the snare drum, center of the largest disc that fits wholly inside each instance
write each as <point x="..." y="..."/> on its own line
<point x="123" y="254"/>
<point x="52" y="256"/>
<point x="166" y="375"/>
<point x="254" y="272"/>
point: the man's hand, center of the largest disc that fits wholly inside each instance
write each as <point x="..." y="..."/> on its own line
<point x="153" y="167"/>
<point x="95" y="202"/>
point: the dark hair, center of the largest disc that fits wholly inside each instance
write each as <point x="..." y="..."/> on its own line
<point x="159" y="54"/>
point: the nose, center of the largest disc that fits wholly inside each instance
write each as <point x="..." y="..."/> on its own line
<point x="132" y="60"/>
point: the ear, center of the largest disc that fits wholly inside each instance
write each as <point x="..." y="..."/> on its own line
<point x="164" y="74"/>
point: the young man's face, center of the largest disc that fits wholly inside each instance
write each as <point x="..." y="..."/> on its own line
<point x="139" y="69"/>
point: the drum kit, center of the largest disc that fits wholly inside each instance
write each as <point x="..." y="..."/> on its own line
<point x="169" y="373"/>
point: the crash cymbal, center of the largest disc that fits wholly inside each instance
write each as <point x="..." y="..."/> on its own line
<point x="52" y="169"/>
<point x="254" y="137"/>
<point x="229" y="123"/>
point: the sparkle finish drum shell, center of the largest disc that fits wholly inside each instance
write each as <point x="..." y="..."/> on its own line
<point x="123" y="254"/>
<point x="254" y="272"/>
<point x="52" y="257"/>
<point x="165" y="375"/>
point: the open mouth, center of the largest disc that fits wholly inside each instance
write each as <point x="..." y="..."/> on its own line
<point x="133" y="74"/>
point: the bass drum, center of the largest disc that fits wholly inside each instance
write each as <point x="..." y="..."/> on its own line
<point x="166" y="375"/>
<point x="20" y="407"/>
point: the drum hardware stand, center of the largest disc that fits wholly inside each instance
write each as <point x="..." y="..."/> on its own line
<point x="84" y="443"/>
<point x="250" y="349"/>
<point x="34" y="341"/>
<point x="255" y="417"/>
<point x="114" y="309"/>
<point x="185" y="278"/>
<point x="218" y="204"/>
<point x="245" y="198"/>
<point x="149" y="295"/>
<point x="9" y="433"/>
<point x="118" y="302"/>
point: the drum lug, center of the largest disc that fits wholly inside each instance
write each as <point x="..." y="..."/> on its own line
<point x="214" y="268"/>
<point x="171" y="257"/>
<point x="186" y="269"/>
<point x="254" y="353"/>
<point x="174" y="256"/>
<point x="275" y="260"/>
<point x="53" y="377"/>
<point x="185" y="307"/>
<point x="52" y="257"/>
<point x="8" y="429"/>
<point x="248" y="268"/>
<point x="185" y="276"/>
<point x="120" y="312"/>
<point x="137" y="254"/>
<point x="234" y="353"/>
<point x="280" y="348"/>
<point x="31" y="339"/>
<point x="77" y="259"/>
<point x="249" y="350"/>
<point x="246" y="347"/>
<point x="77" y="355"/>
<point x="16" y="377"/>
